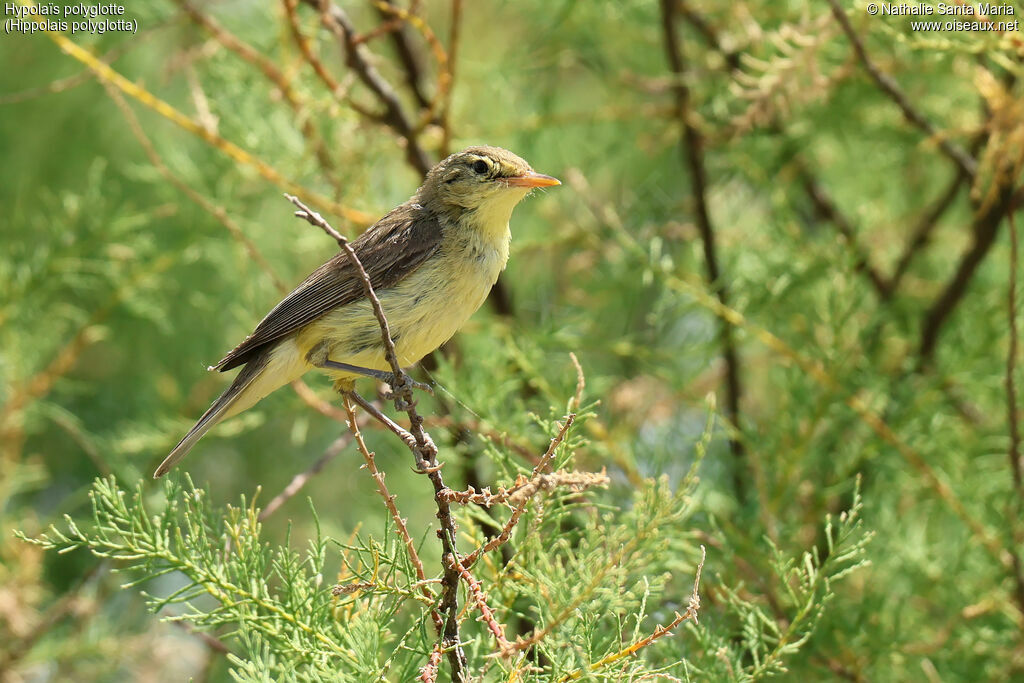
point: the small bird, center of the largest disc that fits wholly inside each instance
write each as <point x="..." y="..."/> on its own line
<point x="431" y="261"/>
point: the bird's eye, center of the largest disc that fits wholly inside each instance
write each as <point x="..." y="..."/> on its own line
<point x="480" y="166"/>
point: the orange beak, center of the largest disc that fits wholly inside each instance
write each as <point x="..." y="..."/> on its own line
<point x="532" y="179"/>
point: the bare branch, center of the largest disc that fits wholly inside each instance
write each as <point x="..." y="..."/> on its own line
<point x="524" y="488"/>
<point x="1013" y="417"/>
<point x="985" y="228"/>
<point x="420" y="444"/>
<point x="389" y="502"/>
<point x="826" y="209"/>
<point x="486" y="613"/>
<point x="693" y="152"/>
<point x="922" y="232"/>
<point x="357" y="56"/>
<point x="886" y="84"/>
<point x="689" y="615"/>
<point x="506" y="531"/>
<point x="301" y="479"/>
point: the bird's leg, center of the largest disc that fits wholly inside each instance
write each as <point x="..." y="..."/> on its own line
<point x="428" y="452"/>
<point x="383" y="376"/>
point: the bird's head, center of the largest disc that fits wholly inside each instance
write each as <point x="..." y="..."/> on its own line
<point x="486" y="180"/>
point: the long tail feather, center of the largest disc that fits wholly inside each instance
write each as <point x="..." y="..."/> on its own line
<point x="214" y="414"/>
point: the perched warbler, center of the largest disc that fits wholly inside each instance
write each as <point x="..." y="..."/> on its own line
<point x="431" y="261"/>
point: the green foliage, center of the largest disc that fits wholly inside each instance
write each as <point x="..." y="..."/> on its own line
<point x="120" y="287"/>
<point x="595" y="588"/>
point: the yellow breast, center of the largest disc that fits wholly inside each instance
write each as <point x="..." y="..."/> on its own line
<point x="424" y="310"/>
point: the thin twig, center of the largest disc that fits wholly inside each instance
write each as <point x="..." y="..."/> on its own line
<point x="709" y="34"/>
<point x="428" y="673"/>
<point x="506" y="531"/>
<point x="486" y="613"/>
<point x="692" y="147"/>
<point x="422" y="447"/>
<point x="316" y="219"/>
<point x="985" y="228"/>
<point x="525" y="489"/>
<point x="922" y="232"/>
<point x="357" y="57"/>
<point x="581" y="382"/>
<point x="390" y="424"/>
<point x="108" y="75"/>
<point x="886" y="84"/>
<point x="453" y="52"/>
<point x="429" y="114"/>
<point x="1013" y="417"/>
<point x="389" y="502"/>
<point x="301" y="479"/>
<point x="251" y="55"/>
<point x="395" y="26"/>
<point x="826" y="209"/>
<point x="689" y="615"/>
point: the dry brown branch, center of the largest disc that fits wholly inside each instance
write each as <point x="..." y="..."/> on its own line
<point x="444" y="77"/>
<point x="389" y="502"/>
<point x="301" y="479"/>
<point x="228" y="148"/>
<point x="581" y="382"/>
<point x="422" y="447"/>
<point x="453" y="52"/>
<point x="1013" y="417"/>
<point x="506" y="532"/>
<point x="357" y="57"/>
<point x="959" y="156"/>
<point x="428" y="673"/>
<point x="271" y="71"/>
<point x="825" y="208"/>
<point x="408" y="56"/>
<point x="692" y="148"/>
<point x="337" y="89"/>
<point x="524" y="488"/>
<point x="922" y="232"/>
<point x="984" y="228"/>
<point x="486" y="613"/>
<point x="710" y="34"/>
<point x="689" y="615"/>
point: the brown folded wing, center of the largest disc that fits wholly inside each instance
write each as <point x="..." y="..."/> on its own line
<point x="394" y="247"/>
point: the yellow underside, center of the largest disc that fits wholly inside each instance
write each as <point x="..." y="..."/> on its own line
<point x="423" y="311"/>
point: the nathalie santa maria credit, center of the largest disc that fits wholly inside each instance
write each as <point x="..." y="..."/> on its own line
<point x="965" y="10"/>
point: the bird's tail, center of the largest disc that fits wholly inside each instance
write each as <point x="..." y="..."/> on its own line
<point x="221" y="409"/>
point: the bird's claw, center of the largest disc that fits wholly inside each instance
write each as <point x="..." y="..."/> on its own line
<point x="403" y="386"/>
<point x="429" y="469"/>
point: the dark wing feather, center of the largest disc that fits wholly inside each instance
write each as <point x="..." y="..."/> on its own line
<point x="393" y="248"/>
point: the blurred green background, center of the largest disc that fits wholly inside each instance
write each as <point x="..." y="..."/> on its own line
<point x="119" y="288"/>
